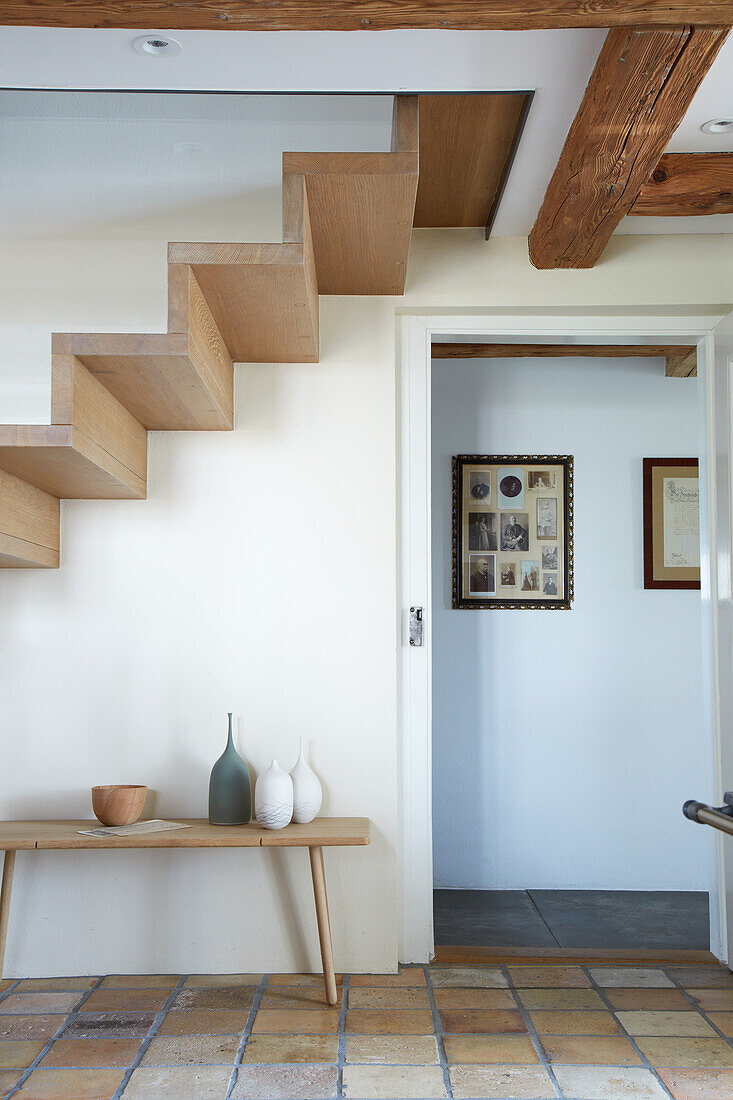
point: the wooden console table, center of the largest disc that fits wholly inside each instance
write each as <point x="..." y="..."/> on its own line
<point x="324" y="832"/>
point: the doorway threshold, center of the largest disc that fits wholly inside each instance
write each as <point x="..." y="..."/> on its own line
<point x="536" y="956"/>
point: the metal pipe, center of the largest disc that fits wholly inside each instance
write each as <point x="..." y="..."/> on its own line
<point x="720" y="818"/>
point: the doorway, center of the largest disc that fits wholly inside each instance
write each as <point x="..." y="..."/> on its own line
<point x="538" y="915"/>
<point x="549" y="724"/>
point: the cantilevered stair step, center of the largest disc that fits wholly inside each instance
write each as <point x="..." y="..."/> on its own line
<point x="180" y="380"/>
<point x="263" y="297"/>
<point x="29" y="526"/>
<point x="94" y="448"/>
<point x="361" y="207"/>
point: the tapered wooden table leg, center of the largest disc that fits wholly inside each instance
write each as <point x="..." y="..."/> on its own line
<point x="324" y="923"/>
<point x="7" y="885"/>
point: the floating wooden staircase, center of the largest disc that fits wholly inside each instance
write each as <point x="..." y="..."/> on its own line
<point x="347" y="220"/>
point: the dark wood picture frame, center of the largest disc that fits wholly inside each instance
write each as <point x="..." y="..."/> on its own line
<point x="513" y="597"/>
<point x="654" y="577"/>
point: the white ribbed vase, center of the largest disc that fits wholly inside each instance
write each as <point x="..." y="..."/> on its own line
<point x="274" y="798"/>
<point x="307" y="793"/>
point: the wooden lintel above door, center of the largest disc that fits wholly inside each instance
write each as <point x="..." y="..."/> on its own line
<point x="681" y="359"/>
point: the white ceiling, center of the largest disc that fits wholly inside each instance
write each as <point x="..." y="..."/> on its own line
<point x="140" y="164"/>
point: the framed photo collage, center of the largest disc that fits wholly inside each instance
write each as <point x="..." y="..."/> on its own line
<point x="513" y="531"/>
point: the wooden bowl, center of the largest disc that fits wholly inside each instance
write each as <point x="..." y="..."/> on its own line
<point x="118" y="804"/>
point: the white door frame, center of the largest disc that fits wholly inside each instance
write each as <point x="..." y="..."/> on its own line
<point x="415" y="334"/>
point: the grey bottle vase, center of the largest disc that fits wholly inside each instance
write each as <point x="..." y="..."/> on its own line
<point x="230" y="790"/>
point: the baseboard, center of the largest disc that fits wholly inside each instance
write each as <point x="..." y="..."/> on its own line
<point x="462" y="956"/>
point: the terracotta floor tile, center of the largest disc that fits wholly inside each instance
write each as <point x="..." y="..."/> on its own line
<point x="43" y="1003"/>
<point x="662" y="1000"/>
<point x="403" y="1082"/>
<point x="687" y="1053"/>
<point x="723" y="1021"/>
<point x="407" y="976"/>
<point x="285" y="1083"/>
<point x="71" y="1084"/>
<point x="204" y="1022"/>
<point x="388" y="998"/>
<point x="575" y="1023"/>
<point x="601" y="1050"/>
<point x="482" y="1022"/>
<point x="91" y="1025"/>
<point x="490" y="1049"/>
<point x="468" y="977"/>
<point x="113" y="1053"/>
<point x="709" y="999"/>
<point x="602" y="1083"/>
<point x="192" y="1050"/>
<point x="701" y="977"/>
<point x="294" y="997"/>
<point x="309" y="1021"/>
<point x="8" y="1078"/>
<point x="474" y="998"/>
<point x="365" y="1021"/>
<point x="179" y="1083"/>
<point x="398" y="1049"/>
<point x="126" y="1000"/>
<point x="665" y="1023"/>
<point x="515" y="1082"/>
<point x="291" y="1048"/>
<point x="140" y="981"/>
<point x="231" y="997"/>
<point x="216" y="981"/>
<point x="628" y="977"/>
<point x="58" y="985"/>
<point x="561" y="998"/>
<point x="698" y="1084"/>
<point x="301" y="979"/>
<point x="29" y="1027"/>
<point x="549" y="976"/>
<point x="19" y="1053"/>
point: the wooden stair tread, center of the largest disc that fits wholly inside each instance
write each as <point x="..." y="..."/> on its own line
<point x="93" y="449"/>
<point x="467" y="144"/>
<point x="29" y="525"/>
<point x="66" y="463"/>
<point x="263" y="297"/>
<point x="361" y="207"/>
<point x="180" y="380"/>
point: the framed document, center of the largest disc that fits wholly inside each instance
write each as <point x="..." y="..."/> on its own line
<point x="671" y="523"/>
<point x="512" y="531"/>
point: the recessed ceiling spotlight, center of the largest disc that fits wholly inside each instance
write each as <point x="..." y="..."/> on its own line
<point x="156" y="45"/>
<point x="718" y="125"/>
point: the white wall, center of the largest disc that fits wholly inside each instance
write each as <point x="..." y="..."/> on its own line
<point x="565" y="744"/>
<point x="258" y="576"/>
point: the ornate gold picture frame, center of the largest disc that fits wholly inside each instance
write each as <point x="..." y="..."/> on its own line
<point x="513" y="532"/>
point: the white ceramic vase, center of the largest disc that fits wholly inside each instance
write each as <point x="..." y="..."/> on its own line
<point x="307" y="793"/>
<point x="274" y="798"/>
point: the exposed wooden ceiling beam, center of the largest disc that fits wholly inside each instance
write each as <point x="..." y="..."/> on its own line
<point x="347" y="15"/>
<point x="688" y="184"/>
<point x="681" y="358"/>
<point x="641" y="87"/>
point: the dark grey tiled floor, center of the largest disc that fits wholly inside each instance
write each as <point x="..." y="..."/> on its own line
<point x="572" y="918"/>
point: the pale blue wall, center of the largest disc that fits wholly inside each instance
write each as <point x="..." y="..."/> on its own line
<point x="566" y="742"/>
